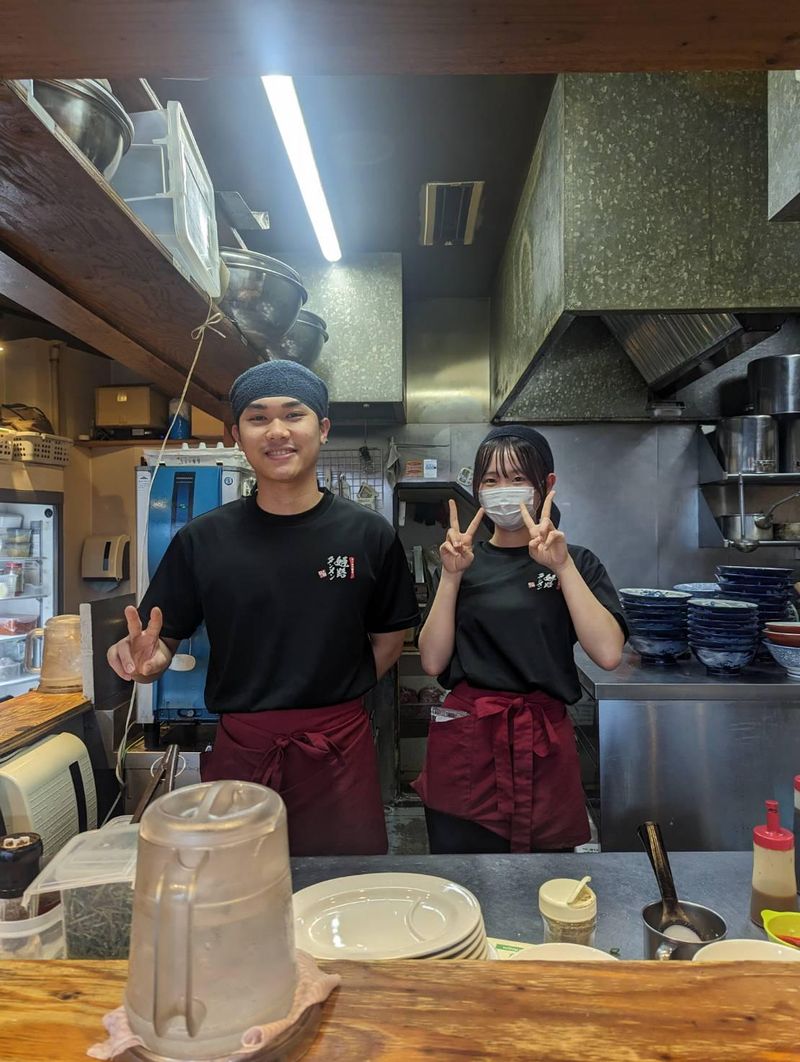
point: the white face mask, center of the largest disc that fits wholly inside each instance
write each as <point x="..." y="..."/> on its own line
<point x="501" y="505"/>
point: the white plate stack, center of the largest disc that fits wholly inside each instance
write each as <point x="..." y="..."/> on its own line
<point x="389" y="916"/>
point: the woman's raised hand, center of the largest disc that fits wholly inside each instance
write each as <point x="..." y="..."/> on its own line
<point x="456" y="551"/>
<point x="547" y="546"/>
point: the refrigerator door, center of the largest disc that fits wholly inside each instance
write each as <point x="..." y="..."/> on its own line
<point x="30" y="579"/>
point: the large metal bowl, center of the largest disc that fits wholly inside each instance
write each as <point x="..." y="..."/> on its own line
<point x="91" y="117"/>
<point x="263" y="297"/>
<point x="304" y="340"/>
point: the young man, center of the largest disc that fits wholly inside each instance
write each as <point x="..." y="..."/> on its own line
<point x="306" y="597"/>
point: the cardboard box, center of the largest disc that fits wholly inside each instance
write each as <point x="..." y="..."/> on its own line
<point x="130" y="407"/>
<point x="204" y="426"/>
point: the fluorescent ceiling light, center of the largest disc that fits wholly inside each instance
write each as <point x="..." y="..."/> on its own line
<point x="289" y="118"/>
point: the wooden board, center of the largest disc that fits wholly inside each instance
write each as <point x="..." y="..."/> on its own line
<point x="396" y="1012"/>
<point x="236" y="38"/>
<point x="63" y="221"/>
<point x="26" y="718"/>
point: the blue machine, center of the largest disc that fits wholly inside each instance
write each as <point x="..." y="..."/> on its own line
<point x="164" y="505"/>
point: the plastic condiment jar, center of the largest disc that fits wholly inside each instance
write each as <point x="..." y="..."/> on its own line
<point x="569" y="911"/>
<point x="774" y="882"/>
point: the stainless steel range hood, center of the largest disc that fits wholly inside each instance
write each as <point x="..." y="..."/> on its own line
<point x="671" y="350"/>
<point x="645" y="206"/>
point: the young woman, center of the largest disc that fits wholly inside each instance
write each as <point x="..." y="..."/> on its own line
<point x="501" y="771"/>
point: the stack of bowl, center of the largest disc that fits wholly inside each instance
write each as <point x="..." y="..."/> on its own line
<point x="699" y="589"/>
<point x="657" y="623"/>
<point x="783" y="642"/>
<point x="769" y="588"/>
<point x="723" y="634"/>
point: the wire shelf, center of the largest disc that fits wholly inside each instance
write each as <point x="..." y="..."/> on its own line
<point x="356" y="474"/>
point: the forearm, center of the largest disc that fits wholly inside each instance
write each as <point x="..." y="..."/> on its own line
<point x="599" y="634"/>
<point x="386" y="650"/>
<point x="438" y="635"/>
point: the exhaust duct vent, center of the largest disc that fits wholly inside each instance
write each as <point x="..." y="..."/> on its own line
<point x="449" y="212"/>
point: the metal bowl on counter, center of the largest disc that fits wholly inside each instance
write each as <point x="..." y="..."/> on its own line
<point x="263" y="297"/>
<point x="91" y="116"/>
<point x="304" y="340"/>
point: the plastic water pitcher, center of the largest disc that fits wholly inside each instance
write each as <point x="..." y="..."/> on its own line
<point x="212" y="940"/>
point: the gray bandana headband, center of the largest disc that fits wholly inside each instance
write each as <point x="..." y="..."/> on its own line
<point x="272" y="379"/>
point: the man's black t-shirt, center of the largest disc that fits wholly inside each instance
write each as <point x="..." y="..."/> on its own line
<point x="288" y="601"/>
<point x="513" y="627"/>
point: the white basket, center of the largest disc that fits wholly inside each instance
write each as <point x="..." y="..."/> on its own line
<point x="6" y="445"/>
<point x="40" y="449"/>
<point x="227" y="456"/>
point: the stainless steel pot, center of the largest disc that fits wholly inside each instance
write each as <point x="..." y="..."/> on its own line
<point x="748" y="444"/>
<point x="788" y="443"/>
<point x="731" y="527"/>
<point x="263" y="297"/>
<point x="92" y="118"/>
<point x="774" y="384"/>
<point x="304" y="340"/>
<point x="659" y="946"/>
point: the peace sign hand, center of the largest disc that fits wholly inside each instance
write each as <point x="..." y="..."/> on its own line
<point x="141" y="654"/>
<point x="547" y="546"/>
<point x="456" y="551"/>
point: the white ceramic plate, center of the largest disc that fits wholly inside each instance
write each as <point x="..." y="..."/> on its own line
<point x="561" y="953"/>
<point x="384" y="916"/>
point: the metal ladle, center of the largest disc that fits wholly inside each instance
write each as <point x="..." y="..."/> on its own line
<point x="744" y="545"/>
<point x="766" y="520"/>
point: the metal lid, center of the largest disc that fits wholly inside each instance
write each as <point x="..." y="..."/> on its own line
<point x="240" y="256"/>
<point x="92" y="89"/>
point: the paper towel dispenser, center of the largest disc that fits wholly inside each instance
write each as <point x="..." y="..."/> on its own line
<point x="106" y="557"/>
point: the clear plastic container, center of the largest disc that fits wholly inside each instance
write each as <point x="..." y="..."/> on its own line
<point x="569" y="911"/>
<point x="94" y="873"/>
<point x="15" y="543"/>
<point x="8" y="583"/>
<point x="34" y="938"/>
<point x="164" y="180"/>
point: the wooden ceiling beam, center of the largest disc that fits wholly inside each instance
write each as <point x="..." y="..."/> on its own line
<point x="235" y="38"/>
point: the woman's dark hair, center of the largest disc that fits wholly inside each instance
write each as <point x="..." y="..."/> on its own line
<point x="513" y="455"/>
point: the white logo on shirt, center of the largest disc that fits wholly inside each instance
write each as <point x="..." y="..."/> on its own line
<point x="544" y="581"/>
<point x="338" y="568"/>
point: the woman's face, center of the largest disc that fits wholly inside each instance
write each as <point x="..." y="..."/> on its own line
<point x="513" y="476"/>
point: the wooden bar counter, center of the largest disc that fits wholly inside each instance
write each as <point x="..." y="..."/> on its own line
<point x="25" y="719"/>
<point x="400" y="1011"/>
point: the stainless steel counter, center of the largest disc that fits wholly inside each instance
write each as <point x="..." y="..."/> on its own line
<point x="697" y="753"/>
<point x="687" y="681"/>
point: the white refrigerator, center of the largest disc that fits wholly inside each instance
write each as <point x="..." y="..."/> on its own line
<point x="30" y="579"/>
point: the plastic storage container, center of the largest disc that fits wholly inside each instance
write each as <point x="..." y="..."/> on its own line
<point x="164" y="180"/>
<point x="569" y="911"/>
<point x="94" y="873"/>
<point x="15" y="543"/>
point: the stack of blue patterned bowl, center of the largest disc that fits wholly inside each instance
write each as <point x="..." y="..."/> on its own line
<point x="657" y="623"/>
<point x="699" y="589"/>
<point x="724" y="635"/>
<point x="768" y="588"/>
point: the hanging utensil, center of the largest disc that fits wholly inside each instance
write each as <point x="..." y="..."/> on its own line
<point x="744" y="545"/>
<point x="765" y="521"/>
<point x="164" y="771"/>
<point x="674" y="921"/>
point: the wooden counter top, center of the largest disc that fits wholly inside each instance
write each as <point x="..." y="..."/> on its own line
<point x="26" y="718"/>
<point x="396" y="1011"/>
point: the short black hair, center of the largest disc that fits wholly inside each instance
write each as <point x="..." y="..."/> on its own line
<point x="513" y="455"/>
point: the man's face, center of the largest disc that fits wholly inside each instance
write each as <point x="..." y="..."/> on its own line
<point x="280" y="438"/>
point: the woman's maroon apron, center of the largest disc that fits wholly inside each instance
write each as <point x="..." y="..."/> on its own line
<point x="510" y="764"/>
<point x="322" y="762"/>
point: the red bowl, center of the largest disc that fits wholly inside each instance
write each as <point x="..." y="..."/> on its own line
<point x="791" y="640"/>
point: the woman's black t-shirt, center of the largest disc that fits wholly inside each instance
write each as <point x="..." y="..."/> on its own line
<point x="288" y="602"/>
<point x="513" y="628"/>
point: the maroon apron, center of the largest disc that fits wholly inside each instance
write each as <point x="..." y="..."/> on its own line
<point x="322" y="762"/>
<point x="510" y="764"/>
